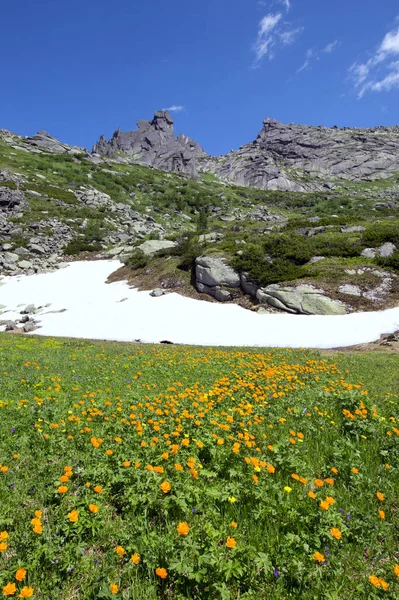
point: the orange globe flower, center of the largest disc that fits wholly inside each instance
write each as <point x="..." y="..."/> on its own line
<point x="312" y="495"/>
<point x="335" y="532"/>
<point x="381" y="514"/>
<point x="135" y="558"/>
<point x="62" y="489"/>
<point x="396" y="570"/>
<point x="98" y="489"/>
<point x="319" y="557"/>
<point x="38" y="528"/>
<point x="3" y="546"/>
<point x="73" y="516"/>
<point x="165" y="487"/>
<point x="93" y="508"/>
<point x="380" y="496"/>
<point x="231" y="542"/>
<point x="355" y="470"/>
<point x="114" y="588"/>
<point x="38" y="514"/>
<point x="183" y="528"/>
<point x="233" y="524"/>
<point x="120" y="550"/>
<point x="162" y="573"/>
<point x="318" y="483"/>
<point x="126" y="463"/>
<point x="9" y="589"/>
<point x="26" y="592"/>
<point x="20" y="574"/>
<point x="3" y="535"/>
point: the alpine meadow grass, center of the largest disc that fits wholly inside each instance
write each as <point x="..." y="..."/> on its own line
<point x="142" y="472"/>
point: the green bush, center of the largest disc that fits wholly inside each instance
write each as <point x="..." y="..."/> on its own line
<point x="138" y="260"/>
<point x="78" y="245"/>
<point x="380" y="233"/>
<point x="392" y="261"/>
<point x="258" y="266"/>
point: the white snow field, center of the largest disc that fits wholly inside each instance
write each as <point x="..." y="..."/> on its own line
<point x="96" y="310"/>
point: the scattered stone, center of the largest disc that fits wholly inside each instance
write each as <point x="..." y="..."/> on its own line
<point x="28" y="310"/>
<point x="157" y="293"/>
<point x="351" y="290"/>
<point x="30" y="326"/>
<point x="152" y="246"/>
<point x="352" y="229"/>
<point x="212" y="272"/>
<point x="386" y="250"/>
<point x="369" y="253"/>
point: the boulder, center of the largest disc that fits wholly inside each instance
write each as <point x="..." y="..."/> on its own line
<point x="303" y="299"/>
<point x="152" y="246"/>
<point x="351" y="290"/>
<point x="214" y="291"/>
<point x="369" y="253"/>
<point x="157" y="293"/>
<point x="386" y="250"/>
<point x="213" y="272"/>
<point x="248" y="286"/>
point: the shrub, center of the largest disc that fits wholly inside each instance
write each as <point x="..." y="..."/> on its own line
<point x="138" y="260"/>
<point x="78" y="245"/>
<point x="380" y="233"/>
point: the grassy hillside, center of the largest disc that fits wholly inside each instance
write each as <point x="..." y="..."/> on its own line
<point x="169" y="472"/>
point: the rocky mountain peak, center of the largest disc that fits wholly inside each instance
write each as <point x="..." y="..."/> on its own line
<point x="154" y="143"/>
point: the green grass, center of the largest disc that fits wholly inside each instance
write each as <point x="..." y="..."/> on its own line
<point x="240" y="422"/>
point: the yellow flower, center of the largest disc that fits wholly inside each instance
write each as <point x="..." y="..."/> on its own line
<point x="3" y="535"/>
<point x="162" y="573"/>
<point x="38" y="528"/>
<point x="135" y="558"/>
<point x="109" y="453"/>
<point x="3" y="546"/>
<point x="396" y="570"/>
<point x="38" y="514"/>
<point x="73" y="516"/>
<point x="98" y="489"/>
<point x="288" y="489"/>
<point x="319" y="557"/>
<point x="9" y="589"/>
<point x="233" y="524"/>
<point x="380" y="496"/>
<point x="355" y="471"/>
<point x="93" y="508"/>
<point x="120" y="550"/>
<point x="20" y="574"/>
<point x="165" y="487"/>
<point x="126" y="463"/>
<point x="335" y="532"/>
<point x="183" y="528"/>
<point x="26" y="592"/>
<point x="232" y="499"/>
<point x="381" y="514"/>
<point x="231" y="542"/>
<point x="114" y="588"/>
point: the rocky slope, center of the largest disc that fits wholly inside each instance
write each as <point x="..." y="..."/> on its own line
<point x="311" y="226"/>
<point x="302" y="158"/>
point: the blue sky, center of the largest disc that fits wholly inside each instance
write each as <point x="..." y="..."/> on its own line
<point x="79" y="68"/>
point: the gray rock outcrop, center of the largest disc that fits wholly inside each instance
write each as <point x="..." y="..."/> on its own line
<point x="303" y="299"/>
<point x="154" y="143"/>
<point x="303" y="158"/>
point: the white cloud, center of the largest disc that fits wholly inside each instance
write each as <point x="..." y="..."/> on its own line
<point x="266" y="38"/>
<point x="273" y="31"/>
<point x="331" y="47"/>
<point x="370" y="76"/>
<point x="175" y="108"/>
<point x="309" y="54"/>
<point x="289" y="36"/>
<point x="287" y="4"/>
